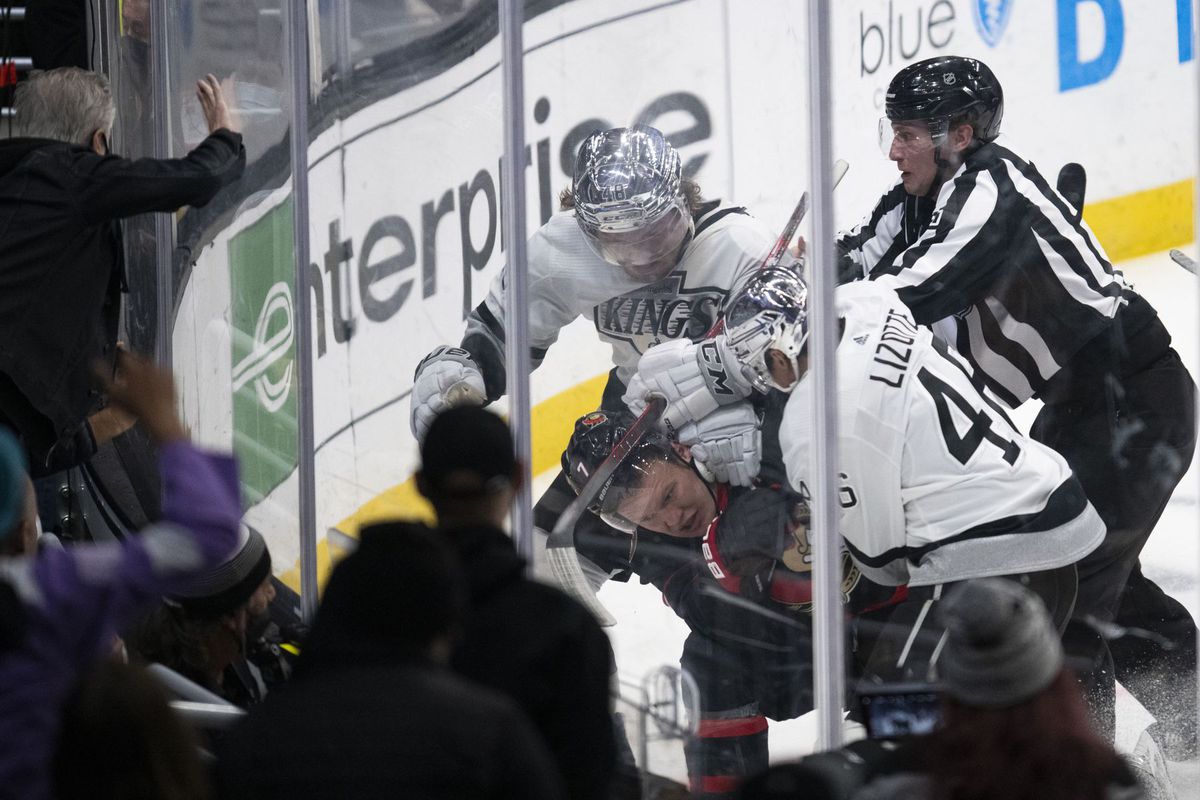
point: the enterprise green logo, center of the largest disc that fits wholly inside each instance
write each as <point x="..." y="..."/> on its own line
<point x="261" y="278"/>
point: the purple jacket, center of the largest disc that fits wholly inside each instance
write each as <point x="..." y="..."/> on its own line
<point x="76" y="600"/>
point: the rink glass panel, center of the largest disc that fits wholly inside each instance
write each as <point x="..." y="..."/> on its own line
<point x="233" y="309"/>
<point x="128" y="55"/>
<point x="1066" y="73"/>
<point x="404" y="142"/>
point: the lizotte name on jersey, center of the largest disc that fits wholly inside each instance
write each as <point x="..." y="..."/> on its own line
<point x="894" y="350"/>
<point x="664" y="310"/>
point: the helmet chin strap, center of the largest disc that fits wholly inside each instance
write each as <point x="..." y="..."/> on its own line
<point x="946" y="169"/>
<point x="687" y="239"/>
<point x="705" y="474"/>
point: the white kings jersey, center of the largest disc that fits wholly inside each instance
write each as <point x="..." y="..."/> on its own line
<point x="568" y="280"/>
<point x="935" y="483"/>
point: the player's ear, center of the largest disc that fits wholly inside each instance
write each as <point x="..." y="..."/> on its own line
<point x="961" y="136"/>
<point x="683" y="451"/>
<point x="98" y="141"/>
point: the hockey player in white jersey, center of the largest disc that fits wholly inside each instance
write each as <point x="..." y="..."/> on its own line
<point x="935" y="483"/>
<point x="638" y="252"/>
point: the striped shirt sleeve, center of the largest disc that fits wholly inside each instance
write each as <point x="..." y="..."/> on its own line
<point x="953" y="262"/>
<point x="880" y="232"/>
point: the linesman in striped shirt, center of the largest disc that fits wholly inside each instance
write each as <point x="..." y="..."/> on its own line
<point x="979" y="245"/>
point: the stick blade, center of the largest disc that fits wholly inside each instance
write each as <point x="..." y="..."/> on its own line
<point x="1072" y="185"/>
<point x="840" y="168"/>
<point x="1183" y="260"/>
<point x="569" y="576"/>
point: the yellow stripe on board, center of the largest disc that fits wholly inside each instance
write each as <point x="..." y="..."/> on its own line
<point x="1144" y="222"/>
<point x="553" y="420"/>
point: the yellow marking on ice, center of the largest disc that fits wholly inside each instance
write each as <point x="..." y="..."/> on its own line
<point x="325" y="563"/>
<point x="1145" y="222"/>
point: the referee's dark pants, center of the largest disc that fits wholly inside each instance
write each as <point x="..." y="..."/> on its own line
<point x="901" y="642"/>
<point x="1124" y="419"/>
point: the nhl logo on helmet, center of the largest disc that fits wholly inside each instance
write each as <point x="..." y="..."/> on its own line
<point x="949" y="78"/>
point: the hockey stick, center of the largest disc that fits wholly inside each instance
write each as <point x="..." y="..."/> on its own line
<point x="560" y="546"/>
<point x="1072" y="185"/>
<point x="775" y="254"/>
<point x="1180" y="258"/>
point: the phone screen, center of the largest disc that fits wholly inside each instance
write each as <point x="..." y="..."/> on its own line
<point x="893" y="712"/>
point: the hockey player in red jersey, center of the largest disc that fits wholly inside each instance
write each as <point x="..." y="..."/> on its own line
<point x="734" y="564"/>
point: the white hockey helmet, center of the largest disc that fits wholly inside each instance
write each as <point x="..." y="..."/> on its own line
<point x="628" y="199"/>
<point x="769" y="313"/>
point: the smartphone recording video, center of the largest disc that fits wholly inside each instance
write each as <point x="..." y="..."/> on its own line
<point x="898" y="710"/>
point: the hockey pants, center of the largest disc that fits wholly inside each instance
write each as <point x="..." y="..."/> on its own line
<point x="741" y="686"/>
<point x="901" y="642"/>
<point x="1129" y="447"/>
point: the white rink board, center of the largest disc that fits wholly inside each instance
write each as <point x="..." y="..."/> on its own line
<point x="426" y="144"/>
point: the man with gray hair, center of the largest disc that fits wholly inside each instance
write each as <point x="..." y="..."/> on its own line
<point x="61" y="258"/>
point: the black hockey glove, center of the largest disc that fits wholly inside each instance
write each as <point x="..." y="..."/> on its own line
<point x="850" y="264"/>
<point x="743" y="546"/>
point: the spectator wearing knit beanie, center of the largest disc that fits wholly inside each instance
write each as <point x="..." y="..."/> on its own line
<point x="1015" y="726"/>
<point x="201" y="630"/>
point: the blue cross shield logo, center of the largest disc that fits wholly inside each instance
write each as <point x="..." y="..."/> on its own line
<point x="991" y="18"/>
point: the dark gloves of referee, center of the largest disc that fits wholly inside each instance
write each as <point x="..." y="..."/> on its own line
<point x="850" y="264"/>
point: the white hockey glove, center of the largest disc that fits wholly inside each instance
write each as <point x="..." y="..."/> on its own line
<point x="695" y="378"/>
<point x="446" y="378"/>
<point x="727" y="443"/>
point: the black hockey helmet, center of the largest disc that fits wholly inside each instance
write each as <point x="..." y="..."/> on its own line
<point x="946" y="89"/>
<point x="595" y="436"/>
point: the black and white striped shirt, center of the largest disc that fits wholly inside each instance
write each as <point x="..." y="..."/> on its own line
<point x="1018" y="284"/>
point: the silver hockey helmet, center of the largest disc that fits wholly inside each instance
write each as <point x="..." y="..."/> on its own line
<point x="769" y="313"/>
<point x="629" y="202"/>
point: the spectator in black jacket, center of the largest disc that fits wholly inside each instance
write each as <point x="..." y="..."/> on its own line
<point x="372" y="712"/>
<point x="204" y="632"/>
<point x="61" y="258"/>
<point x="526" y="639"/>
